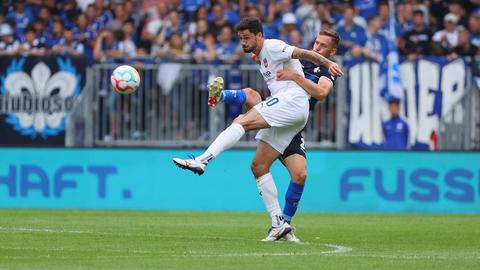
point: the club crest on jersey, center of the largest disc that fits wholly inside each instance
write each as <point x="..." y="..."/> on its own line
<point x="265" y="62"/>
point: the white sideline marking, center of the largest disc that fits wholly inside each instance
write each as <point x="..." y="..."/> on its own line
<point x="337" y="249"/>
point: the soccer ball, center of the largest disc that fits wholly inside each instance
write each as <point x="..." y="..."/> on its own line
<point x="125" y="79"/>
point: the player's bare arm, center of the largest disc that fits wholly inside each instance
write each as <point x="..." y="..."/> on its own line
<point x="318" y="90"/>
<point x="318" y="59"/>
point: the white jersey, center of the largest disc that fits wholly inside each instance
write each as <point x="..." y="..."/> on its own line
<point x="274" y="56"/>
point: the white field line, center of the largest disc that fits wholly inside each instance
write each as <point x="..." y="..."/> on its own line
<point x="337" y="250"/>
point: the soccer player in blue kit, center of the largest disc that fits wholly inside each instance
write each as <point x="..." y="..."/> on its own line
<point x="318" y="82"/>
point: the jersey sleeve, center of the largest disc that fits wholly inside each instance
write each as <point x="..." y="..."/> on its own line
<point x="330" y="78"/>
<point x="279" y="50"/>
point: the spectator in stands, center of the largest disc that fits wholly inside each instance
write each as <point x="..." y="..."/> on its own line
<point x="231" y="15"/>
<point x="103" y="15"/>
<point x="31" y="45"/>
<point x="131" y="10"/>
<point x="156" y="21"/>
<point x="295" y="38"/>
<point x="45" y="15"/>
<point x="218" y="20"/>
<point x="227" y="50"/>
<point x="352" y="36"/>
<point x="68" y="45"/>
<point x="93" y="18"/>
<point x="40" y="26"/>
<point x="57" y="33"/>
<point x="289" y="24"/>
<point x="174" y="24"/>
<point x="474" y="27"/>
<point x="464" y="47"/>
<point x="119" y="17"/>
<point x="376" y="46"/>
<point x="312" y="25"/>
<point x="438" y="9"/>
<point x="366" y="8"/>
<point x="8" y="44"/>
<point x="417" y="42"/>
<point x="395" y="130"/>
<point x="384" y="13"/>
<point x="405" y="16"/>
<point x="106" y="45"/>
<point x="68" y="13"/>
<point x="175" y="49"/>
<point x="81" y="31"/>
<point x="456" y="7"/>
<point x="198" y="37"/>
<point x="126" y="44"/>
<point x="200" y="14"/>
<point x="447" y="38"/>
<point x="20" y="18"/>
<point x="306" y="10"/>
<point x="191" y="7"/>
<point x="205" y="52"/>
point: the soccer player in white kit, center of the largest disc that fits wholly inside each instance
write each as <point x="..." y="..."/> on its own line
<point x="279" y="118"/>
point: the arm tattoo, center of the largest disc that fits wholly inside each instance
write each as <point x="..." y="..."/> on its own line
<point x="310" y="56"/>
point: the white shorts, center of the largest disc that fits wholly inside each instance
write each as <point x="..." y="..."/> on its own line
<point x="287" y="115"/>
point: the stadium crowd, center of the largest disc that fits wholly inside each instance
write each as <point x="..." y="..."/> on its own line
<point x="201" y="31"/>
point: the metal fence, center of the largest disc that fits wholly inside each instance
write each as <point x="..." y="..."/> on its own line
<point x="170" y="109"/>
<point x="460" y="129"/>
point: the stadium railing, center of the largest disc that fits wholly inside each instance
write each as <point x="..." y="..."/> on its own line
<point x="460" y="129"/>
<point x="170" y="109"/>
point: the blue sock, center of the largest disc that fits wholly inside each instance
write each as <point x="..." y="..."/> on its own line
<point x="292" y="197"/>
<point x="233" y="97"/>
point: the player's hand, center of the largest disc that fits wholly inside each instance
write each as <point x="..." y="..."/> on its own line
<point x="334" y="69"/>
<point x="286" y="75"/>
<point x="255" y="59"/>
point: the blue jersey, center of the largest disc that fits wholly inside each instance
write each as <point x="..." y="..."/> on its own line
<point x="367" y="8"/>
<point x="315" y="72"/>
<point x="396" y="132"/>
<point x="356" y="35"/>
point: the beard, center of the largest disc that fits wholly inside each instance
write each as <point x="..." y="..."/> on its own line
<point x="249" y="49"/>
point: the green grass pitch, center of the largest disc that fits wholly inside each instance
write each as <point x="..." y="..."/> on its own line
<point x="41" y="239"/>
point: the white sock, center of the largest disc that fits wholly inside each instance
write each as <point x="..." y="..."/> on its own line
<point x="229" y="137"/>
<point x="268" y="192"/>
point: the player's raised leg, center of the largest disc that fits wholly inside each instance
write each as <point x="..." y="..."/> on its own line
<point x="264" y="157"/>
<point x="251" y="120"/>
<point x="247" y="96"/>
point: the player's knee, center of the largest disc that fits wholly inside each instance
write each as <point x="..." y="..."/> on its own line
<point x="300" y="177"/>
<point x="253" y="97"/>
<point x="258" y="168"/>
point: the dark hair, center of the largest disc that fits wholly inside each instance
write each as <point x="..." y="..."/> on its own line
<point x="29" y="29"/>
<point x="333" y="35"/>
<point x="252" y="24"/>
<point x="371" y="18"/>
<point x="418" y="12"/>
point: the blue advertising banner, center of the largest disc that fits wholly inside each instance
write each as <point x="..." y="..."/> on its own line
<point x="147" y="179"/>
<point x="433" y="87"/>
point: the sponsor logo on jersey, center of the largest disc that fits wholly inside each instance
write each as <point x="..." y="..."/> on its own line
<point x="265" y="62"/>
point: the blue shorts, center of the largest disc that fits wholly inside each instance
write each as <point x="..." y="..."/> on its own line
<point x="296" y="146"/>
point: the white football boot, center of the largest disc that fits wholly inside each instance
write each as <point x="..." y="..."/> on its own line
<point x="290" y="237"/>
<point x="214" y="91"/>
<point x="191" y="164"/>
<point x="276" y="233"/>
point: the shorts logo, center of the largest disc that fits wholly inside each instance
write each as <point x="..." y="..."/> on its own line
<point x="265" y="63"/>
